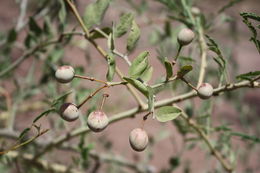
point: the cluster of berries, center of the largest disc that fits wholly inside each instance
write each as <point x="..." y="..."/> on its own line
<point x="98" y="120"/>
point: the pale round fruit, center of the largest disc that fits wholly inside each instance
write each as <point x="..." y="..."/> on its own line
<point x="205" y="91"/>
<point x="69" y="112"/>
<point x="185" y="36"/>
<point x="138" y="139"/>
<point x="64" y="74"/>
<point x="97" y="121"/>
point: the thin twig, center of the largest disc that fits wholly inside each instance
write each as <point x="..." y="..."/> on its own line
<point x="203" y="53"/>
<point x="131" y="112"/>
<point x="103" y="53"/>
<point x="225" y="164"/>
<point x="23" y="8"/>
<point x="90" y="78"/>
<point x="116" y="52"/>
<point x="189" y="84"/>
<point x="91" y="95"/>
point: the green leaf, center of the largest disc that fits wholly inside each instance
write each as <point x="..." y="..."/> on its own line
<point x="167" y="113"/>
<point x="246" y="137"/>
<point x="12" y="35"/>
<point x="110" y="42"/>
<point x="139" y="65"/>
<point x="228" y="5"/>
<point x="138" y="85"/>
<point x="34" y="27"/>
<point x="45" y="113"/>
<point x="250" y="16"/>
<point x="168" y="68"/>
<point x="24" y="132"/>
<point x="184" y="70"/>
<point x="249" y="75"/>
<point x="47" y="26"/>
<point x="94" y="12"/>
<point x="62" y="12"/>
<point x="246" y="17"/>
<point x="111" y="66"/>
<point x="133" y="37"/>
<point x="124" y="24"/>
<point x="147" y="74"/>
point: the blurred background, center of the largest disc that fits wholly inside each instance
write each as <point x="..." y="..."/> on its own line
<point x="30" y="87"/>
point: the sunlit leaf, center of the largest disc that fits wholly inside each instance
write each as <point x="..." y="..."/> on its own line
<point x="167" y="113"/>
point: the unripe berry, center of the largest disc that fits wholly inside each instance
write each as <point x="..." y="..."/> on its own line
<point x="138" y="139"/>
<point x="69" y="112"/>
<point x="97" y="121"/>
<point x="185" y="36"/>
<point x="64" y="74"/>
<point x="205" y="91"/>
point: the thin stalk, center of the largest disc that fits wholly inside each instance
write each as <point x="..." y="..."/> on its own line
<point x="91" y="95"/>
<point x="90" y="78"/>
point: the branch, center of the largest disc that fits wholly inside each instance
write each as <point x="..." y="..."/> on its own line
<point x="103" y="53"/>
<point x="225" y="164"/>
<point x="53" y="167"/>
<point x="203" y="53"/>
<point x="117" y="159"/>
<point x="131" y="112"/>
<point x="38" y="47"/>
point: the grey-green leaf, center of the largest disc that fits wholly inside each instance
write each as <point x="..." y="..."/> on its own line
<point x="167" y="113"/>
<point x="94" y="12"/>
<point x="147" y="74"/>
<point x="124" y="24"/>
<point x="34" y="27"/>
<point x="168" y="68"/>
<point x="249" y="75"/>
<point x="138" y="85"/>
<point x="133" y="36"/>
<point x="62" y="12"/>
<point x="110" y="42"/>
<point x="139" y="65"/>
<point x="184" y="70"/>
<point x="111" y="66"/>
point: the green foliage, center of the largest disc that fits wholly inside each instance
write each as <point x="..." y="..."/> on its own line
<point x="167" y="113"/>
<point x="168" y="68"/>
<point x="139" y="65"/>
<point x="213" y="46"/>
<point x="138" y="85"/>
<point x="184" y="70"/>
<point x="94" y="12"/>
<point x="249" y="76"/>
<point x="252" y="16"/>
<point x="124" y="24"/>
<point x="231" y="3"/>
<point x="111" y="66"/>
<point x="133" y="36"/>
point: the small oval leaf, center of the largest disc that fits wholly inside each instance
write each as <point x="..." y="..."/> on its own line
<point x="133" y="36"/>
<point x="168" y="67"/>
<point x="139" y="65"/>
<point x="184" y="70"/>
<point x="124" y="24"/>
<point x="167" y="113"/>
<point x="138" y="85"/>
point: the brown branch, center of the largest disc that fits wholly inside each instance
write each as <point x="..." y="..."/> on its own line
<point x="131" y="112"/>
<point x="225" y="164"/>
